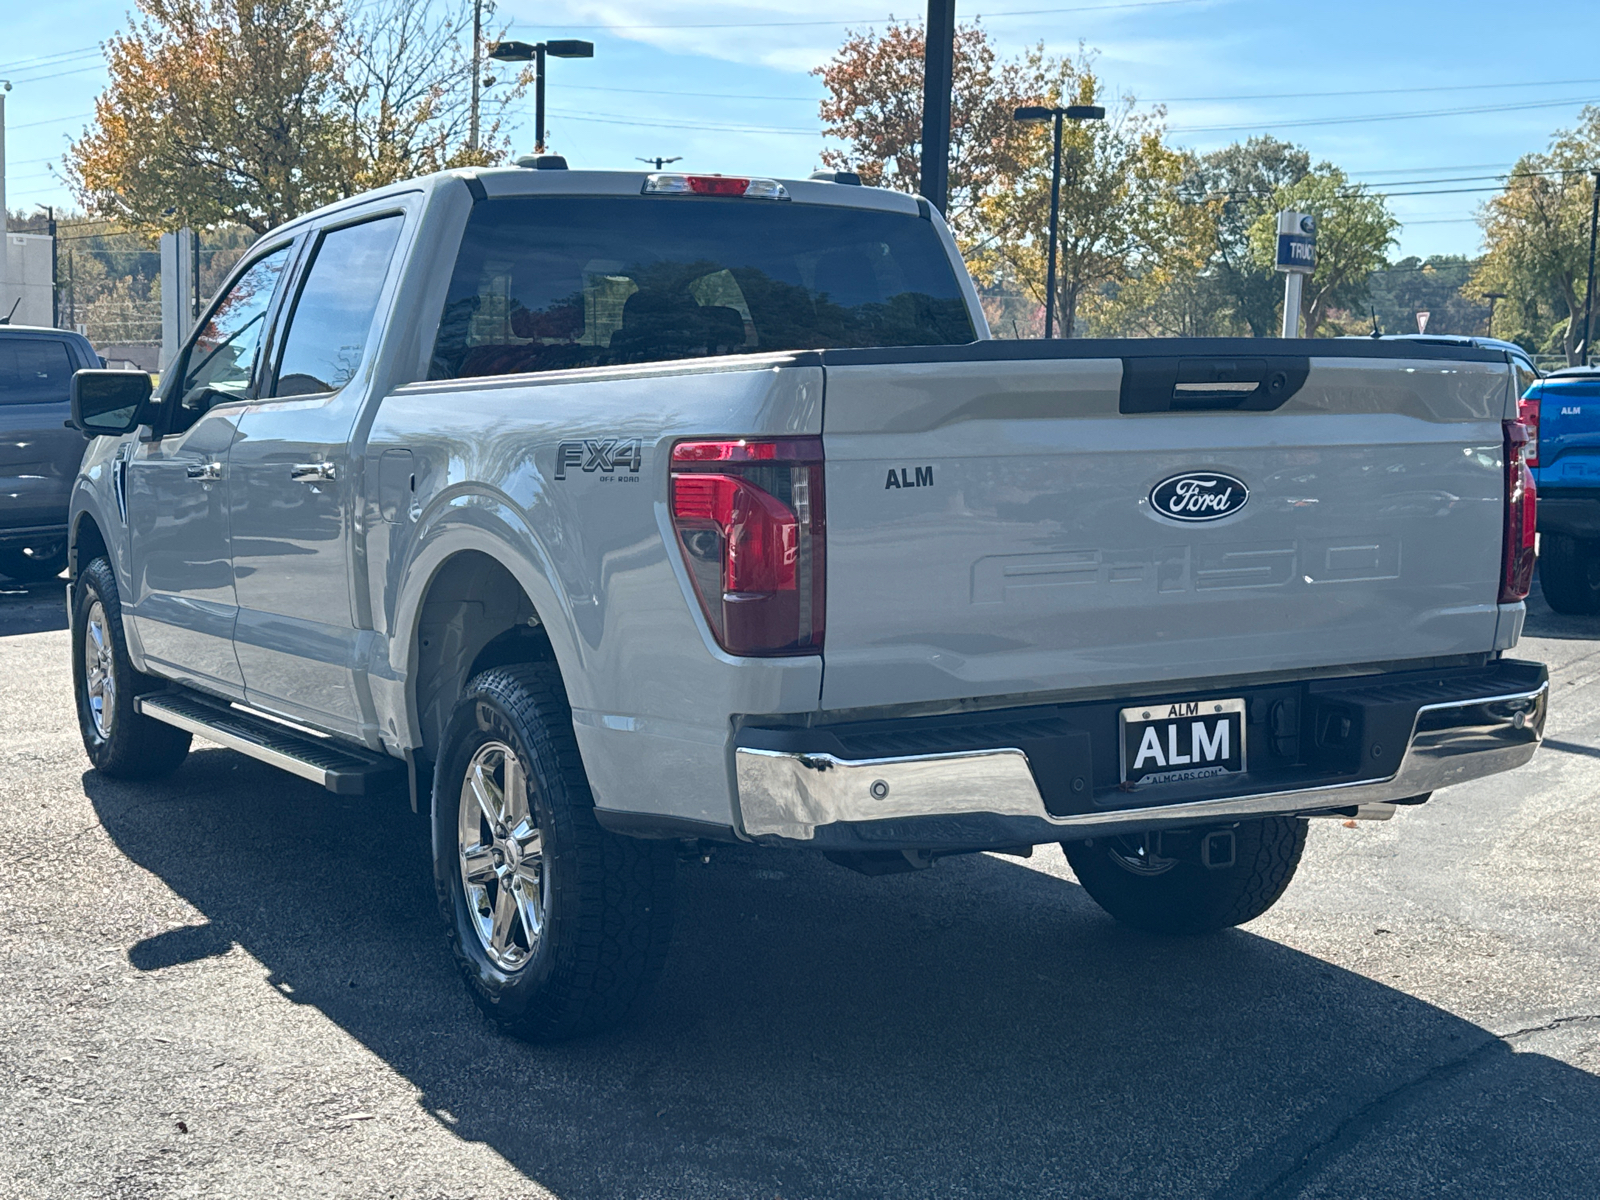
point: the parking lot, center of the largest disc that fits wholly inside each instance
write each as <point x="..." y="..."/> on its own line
<point x="233" y="983"/>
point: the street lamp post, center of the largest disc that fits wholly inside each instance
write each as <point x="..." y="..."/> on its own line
<point x="1040" y="112"/>
<point x="536" y="54"/>
<point x="1493" y="298"/>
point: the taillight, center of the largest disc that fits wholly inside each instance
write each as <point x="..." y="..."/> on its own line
<point x="1528" y="414"/>
<point x="1516" y="553"/>
<point x="749" y="519"/>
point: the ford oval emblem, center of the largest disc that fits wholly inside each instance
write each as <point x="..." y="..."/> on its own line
<point x="1199" y="496"/>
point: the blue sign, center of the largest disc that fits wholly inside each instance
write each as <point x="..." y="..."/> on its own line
<point x="1297" y="252"/>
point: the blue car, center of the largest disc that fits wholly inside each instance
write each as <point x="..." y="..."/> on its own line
<point x="1562" y="412"/>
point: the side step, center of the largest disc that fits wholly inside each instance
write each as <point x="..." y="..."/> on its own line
<point x="343" y="769"/>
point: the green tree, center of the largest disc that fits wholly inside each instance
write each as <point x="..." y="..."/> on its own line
<point x="1435" y="286"/>
<point x="1536" y="234"/>
<point x="1354" y="232"/>
<point x="1124" y="231"/>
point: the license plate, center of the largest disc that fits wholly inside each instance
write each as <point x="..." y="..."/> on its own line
<point x="1186" y="739"/>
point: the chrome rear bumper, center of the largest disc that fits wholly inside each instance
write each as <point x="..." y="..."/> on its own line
<point x="788" y="795"/>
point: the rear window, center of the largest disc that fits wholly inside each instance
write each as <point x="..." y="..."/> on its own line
<point x="34" y="371"/>
<point x="551" y="283"/>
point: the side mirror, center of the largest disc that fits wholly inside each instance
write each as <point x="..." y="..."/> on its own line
<point x="109" y="403"/>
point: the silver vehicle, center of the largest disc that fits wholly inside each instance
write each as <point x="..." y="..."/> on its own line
<point x="619" y="510"/>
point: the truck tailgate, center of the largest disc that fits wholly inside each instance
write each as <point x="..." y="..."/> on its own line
<point x="991" y="530"/>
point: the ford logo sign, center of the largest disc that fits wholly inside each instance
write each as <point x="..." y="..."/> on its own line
<point x="1199" y="496"/>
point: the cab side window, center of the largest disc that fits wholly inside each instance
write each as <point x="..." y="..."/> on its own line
<point x="34" y="370"/>
<point x="333" y="315"/>
<point x="223" y="358"/>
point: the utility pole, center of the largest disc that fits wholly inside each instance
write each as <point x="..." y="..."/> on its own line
<point x="938" y="77"/>
<point x="1588" y="291"/>
<point x="477" y="72"/>
<point x="72" y="295"/>
<point x="55" y="281"/>
<point x="5" y="249"/>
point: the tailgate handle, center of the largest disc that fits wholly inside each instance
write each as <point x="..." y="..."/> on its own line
<point x="1152" y="385"/>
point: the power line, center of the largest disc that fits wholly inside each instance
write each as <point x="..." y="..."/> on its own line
<point x="1453" y="87"/>
<point x="1403" y="116"/>
<point x="890" y="19"/>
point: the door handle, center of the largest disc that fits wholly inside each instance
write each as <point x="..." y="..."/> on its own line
<point x="317" y="472"/>
<point x="209" y="472"/>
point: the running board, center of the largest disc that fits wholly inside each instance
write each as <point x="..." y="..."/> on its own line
<point x="342" y="769"/>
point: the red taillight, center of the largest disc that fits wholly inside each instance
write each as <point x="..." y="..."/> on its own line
<point x="749" y="519"/>
<point x="1516" y="554"/>
<point x="1528" y="414"/>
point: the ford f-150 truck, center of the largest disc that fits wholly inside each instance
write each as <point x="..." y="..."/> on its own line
<point x="618" y="511"/>
<point x="1562" y="413"/>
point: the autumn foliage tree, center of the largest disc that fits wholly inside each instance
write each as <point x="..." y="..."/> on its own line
<point x="874" y="106"/>
<point x="251" y="112"/>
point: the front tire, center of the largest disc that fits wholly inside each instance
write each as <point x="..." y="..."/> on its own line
<point x="120" y="742"/>
<point x="558" y="926"/>
<point x="1569" y="574"/>
<point x="1130" y="878"/>
<point x="35" y="564"/>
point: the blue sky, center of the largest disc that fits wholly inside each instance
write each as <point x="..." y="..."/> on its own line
<point x="1429" y="98"/>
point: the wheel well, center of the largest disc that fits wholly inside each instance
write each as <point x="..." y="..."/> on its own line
<point x="86" y="544"/>
<point x="475" y="616"/>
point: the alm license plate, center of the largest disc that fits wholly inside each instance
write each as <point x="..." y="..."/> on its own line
<point x="1187" y="739"/>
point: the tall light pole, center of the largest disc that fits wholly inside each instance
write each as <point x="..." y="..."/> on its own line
<point x="1055" y="114"/>
<point x="536" y="53"/>
<point x="938" y="78"/>
<point x="477" y="71"/>
<point x="1493" y="298"/>
<point x="5" y="86"/>
<point x="658" y="162"/>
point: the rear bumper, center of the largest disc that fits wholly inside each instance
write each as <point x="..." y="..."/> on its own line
<point x="990" y="797"/>
<point x="1571" y="511"/>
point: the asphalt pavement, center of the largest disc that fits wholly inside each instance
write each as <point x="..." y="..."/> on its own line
<point x="231" y="983"/>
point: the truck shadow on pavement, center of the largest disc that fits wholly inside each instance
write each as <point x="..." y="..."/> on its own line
<point x="980" y="1029"/>
<point x="32" y="607"/>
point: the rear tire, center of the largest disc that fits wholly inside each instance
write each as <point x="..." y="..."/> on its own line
<point x="1569" y="574"/>
<point x="120" y="742"/>
<point x="558" y="926"/>
<point x="1181" y="895"/>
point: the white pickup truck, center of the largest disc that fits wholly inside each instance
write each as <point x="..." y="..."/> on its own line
<point x="620" y="510"/>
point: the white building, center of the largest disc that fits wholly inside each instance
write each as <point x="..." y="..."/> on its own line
<point x="26" y="279"/>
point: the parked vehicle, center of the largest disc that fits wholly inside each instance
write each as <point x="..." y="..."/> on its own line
<point x="1562" y="413"/>
<point x="619" y="510"/>
<point x="39" y="450"/>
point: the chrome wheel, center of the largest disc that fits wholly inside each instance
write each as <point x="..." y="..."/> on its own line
<point x="99" y="680"/>
<point x="502" y="856"/>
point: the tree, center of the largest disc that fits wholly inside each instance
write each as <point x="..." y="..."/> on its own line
<point x="251" y="112"/>
<point x="1434" y="286"/>
<point x="1122" y="219"/>
<point x="217" y="111"/>
<point x="1354" y="232"/>
<point x="874" y="105"/>
<point x="1240" y="181"/>
<point x="1537" y="236"/>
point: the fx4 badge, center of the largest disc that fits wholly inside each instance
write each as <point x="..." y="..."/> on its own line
<point x="923" y="477"/>
<point x="1199" y="496"/>
<point x="600" y="454"/>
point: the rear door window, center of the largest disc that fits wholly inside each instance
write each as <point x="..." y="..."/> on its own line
<point x="34" y="371"/>
<point x="333" y="316"/>
<point x="548" y="283"/>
